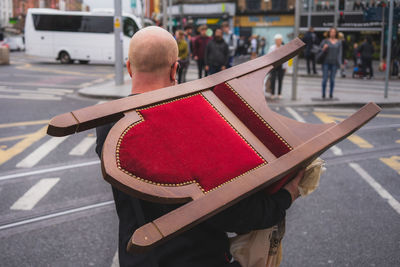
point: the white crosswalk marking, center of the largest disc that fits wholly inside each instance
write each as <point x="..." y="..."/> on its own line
<point x="335" y="150"/>
<point x="35" y="194"/>
<point x="377" y="187"/>
<point x="42" y="151"/>
<point x="83" y="146"/>
<point x="115" y="262"/>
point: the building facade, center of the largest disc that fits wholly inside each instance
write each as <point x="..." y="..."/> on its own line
<point x="6" y="12"/>
<point x="265" y="19"/>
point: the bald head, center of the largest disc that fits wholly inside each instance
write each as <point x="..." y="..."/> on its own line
<point x="152" y="49"/>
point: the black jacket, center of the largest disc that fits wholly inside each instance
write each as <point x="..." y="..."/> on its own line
<point x="217" y="53"/>
<point x="204" y="245"/>
<point x="366" y="50"/>
<point x="310" y="39"/>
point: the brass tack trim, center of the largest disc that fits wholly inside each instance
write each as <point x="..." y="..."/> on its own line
<point x="191" y="181"/>
<point x="259" y="116"/>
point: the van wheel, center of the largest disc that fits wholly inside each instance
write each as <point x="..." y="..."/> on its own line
<point x="83" y="61"/>
<point x="65" y="58"/>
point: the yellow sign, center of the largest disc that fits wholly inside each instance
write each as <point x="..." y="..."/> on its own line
<point x="264" y="20"/>
<point x="117" y="23"/>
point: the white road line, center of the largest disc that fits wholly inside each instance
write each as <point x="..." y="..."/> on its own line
<point x="54" y="169"/>
<point x="83" y="146"/>
<point x="29" y="97"/>
<point x="33" y="92"/>
<point x="42" y="151"/>
<point x="34" y="194"/>
<point x="115" y="261"/>
<point x="59" y="91"/>
<point x="101" y="102"/>
<point x="57" y="214"/>
<point x="336" y="151"/>
<point x="294" y="114"/>
<point x="377" y="187"/>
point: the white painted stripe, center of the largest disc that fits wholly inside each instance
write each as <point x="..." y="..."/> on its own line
<point x="83" y="146"/>
<point x="35" y="194"/>
<point x="115" y="261"/>
<point x="58" y="90"/>
<point x="337" y="151"/>
<point x="33" y="92"/>
<point x="101" y="102"/>
<point x="294" y="114"/>
<point x="54" y="169"/>
<point x="57" y="214"/>
<point x="30" y="97"/>
<point x="42" y="151"/>
<point x="377" y="187"/>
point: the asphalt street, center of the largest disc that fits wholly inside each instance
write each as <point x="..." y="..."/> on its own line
<point x="56" y="209"/>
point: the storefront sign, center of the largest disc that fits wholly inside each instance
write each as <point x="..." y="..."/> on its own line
<point x="272" y="20"/>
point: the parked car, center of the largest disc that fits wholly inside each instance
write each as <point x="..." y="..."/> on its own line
<point x="14" y="42"/>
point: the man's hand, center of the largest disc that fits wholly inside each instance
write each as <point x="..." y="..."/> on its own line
<point x="293" y="185"/>
<point x="196" y="57"/>
<point x="223" y="68"/>
<point x="206" y="67"/>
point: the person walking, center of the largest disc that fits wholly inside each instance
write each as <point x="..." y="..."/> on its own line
<point x="311" y="40"/>
<point x="231" y="40"/>
<point x="217" y="54"/>
<point x="207" y="243"/>
<point x="344" y="49"/>
<point x="183" y="55"/>
<point x="199" y="49"/>
<point x="253" y="47"/>
<point x="278" y="71"/>
<point x="366" y="51"/>
<point x="263" y="43"/>
<point x="332" y="49"/>
<point x="189" y="40"/>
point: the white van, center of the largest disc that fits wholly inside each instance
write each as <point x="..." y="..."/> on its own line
<point x="74" y="35"/>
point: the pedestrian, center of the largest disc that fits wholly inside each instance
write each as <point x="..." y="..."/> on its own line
<point x="278" y="71"/>
<point x="344" y="49"/>
<point x="332" y="49"/>
<point x="189" y="40"/>
<point x="253" y="46"/>
<point x="231" y="40"/>
<point x="206" y="244"/>
<point x="242" y="47"/>
<point x="366" y="51"/>
<point x="356" y="55"/>
<point x="199" y="49"/>
<point x="263" y="43"/>
<point x="217" y="54"/>
<point x="311" y="40"/>
<point x="183" y="55"/>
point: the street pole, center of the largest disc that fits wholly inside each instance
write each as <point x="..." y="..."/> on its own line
<point x="170" y="16"/>
<point x="164" y="6"/>
<point x="382" y="35"/>
<point x="295" y="59"/>
<point x="389" y="48"/>
<point x="335" y="20"/>
<point x="119" y="75"/>
<point x="142" y="13"/>
<point x="309" y="14"/>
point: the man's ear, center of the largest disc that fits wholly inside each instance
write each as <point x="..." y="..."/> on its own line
<point x="173" y="71"/>
<point x="128" y="67"/>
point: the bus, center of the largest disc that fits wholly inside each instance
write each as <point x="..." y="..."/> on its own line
<point x="70" y="36"/>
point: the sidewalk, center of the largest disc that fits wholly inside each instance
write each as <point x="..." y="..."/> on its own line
<point x="348" y="91"/>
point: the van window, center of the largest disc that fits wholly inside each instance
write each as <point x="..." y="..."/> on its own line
<point x="71" y="23"/>
<point x="130" y="27"/>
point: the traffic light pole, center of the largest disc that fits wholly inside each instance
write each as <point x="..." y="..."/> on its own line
<point x="335" y="17"/>
<point x="309" y="14"/>
<point x="119" y="73"/>
<point x="389" y="48"/>
<point x="295" y="59"/>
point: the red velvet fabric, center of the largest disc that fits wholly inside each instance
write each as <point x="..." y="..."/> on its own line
<point x="256" y="126"/>
<point x="186" y="140"/>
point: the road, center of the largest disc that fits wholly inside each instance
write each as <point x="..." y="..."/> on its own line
<point x="56" y="210"/>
